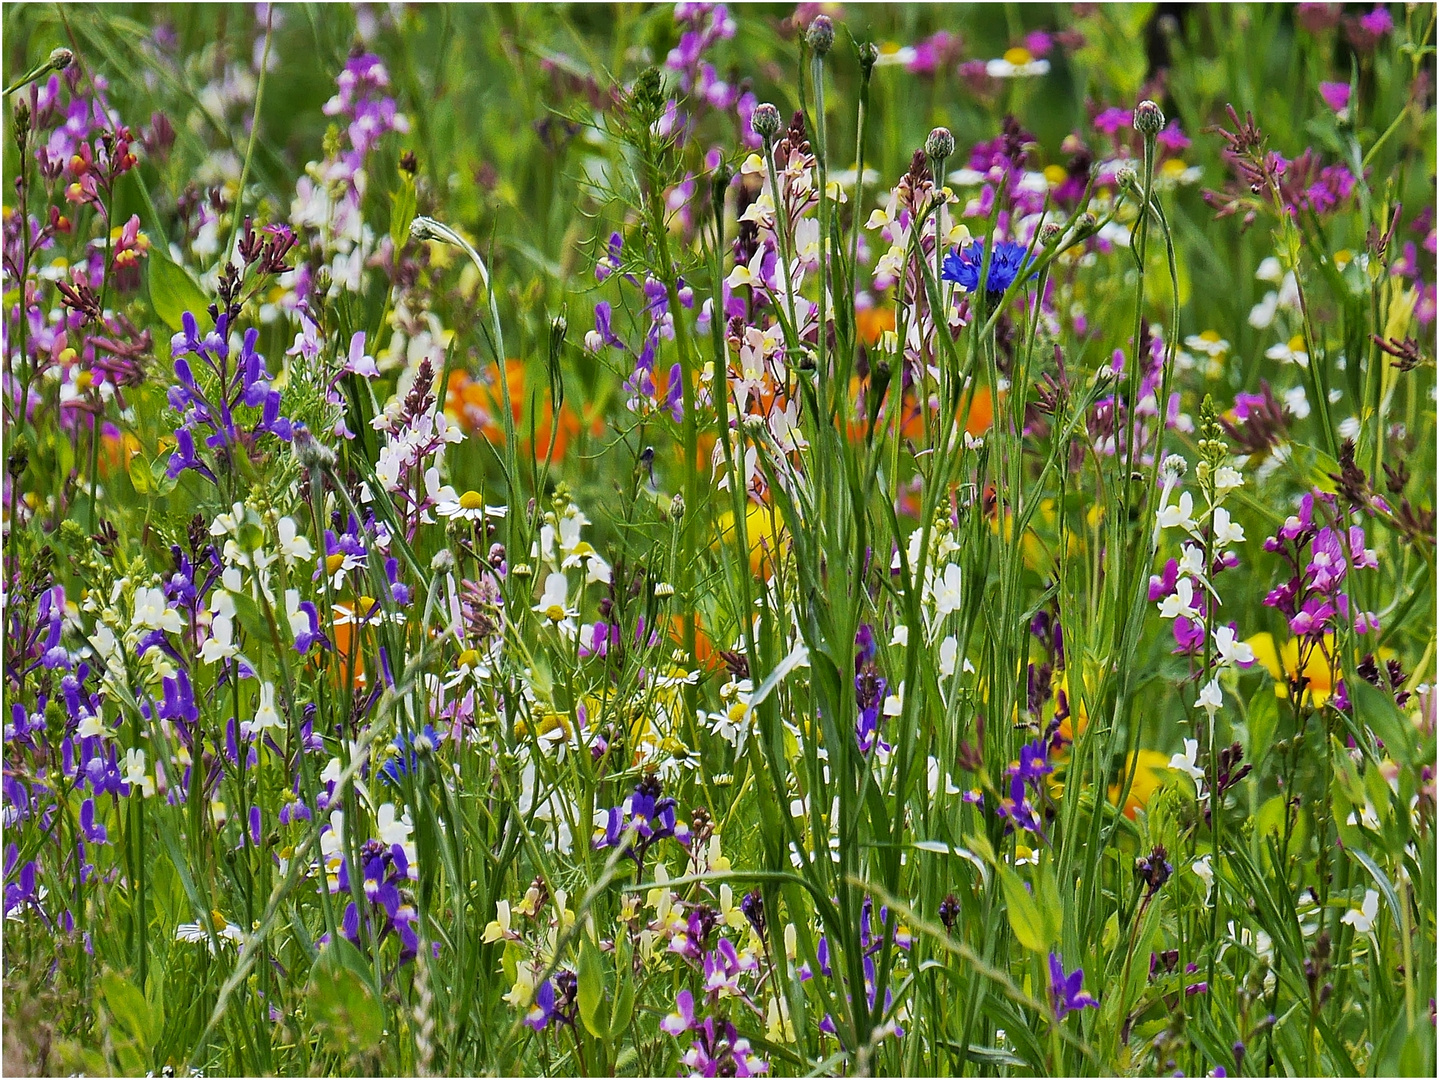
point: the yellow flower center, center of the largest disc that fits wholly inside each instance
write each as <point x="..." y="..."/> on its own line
<point x="1054" y="174"/>
<point x="335" y="561"/>
<point x="471" y="500"/>
<point x="1018" y="56"/>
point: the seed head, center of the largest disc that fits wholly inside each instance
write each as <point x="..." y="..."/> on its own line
<point x="820" y="36"/>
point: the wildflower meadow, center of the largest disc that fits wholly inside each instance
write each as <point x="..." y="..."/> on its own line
<point x="719" y="540"/>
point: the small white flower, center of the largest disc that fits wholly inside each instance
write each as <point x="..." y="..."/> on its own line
<point x="1231" y="649"/>
<point x="1191" y="561"/>
<point x="946" y="591"/>
<point x="948" y="654"/>
<point x="265" y="714"/>
<point x="894" y="703"/>
<point x="1187" y="763"/>
<point x="135" y="772"/>
<point x="1180" y="602"/>
<point x="1205" y="873"/>
<point x="1211" y="698"/>
<point x="1363" y="917"/>
<point x="1226" y="479"/>
<point x="900" y="635"/>
<point x="552" y="603"/>
<point x="293" y="546"/>
<point x="1296" y="402"/>
<point x="1226" y="530"/>
<point x="470" y="506"/>
<point x="1289" y="352"/>
<point x="1180" y="515"/>
<point x="152" y="613"/>
<point x="1016" y="63"/>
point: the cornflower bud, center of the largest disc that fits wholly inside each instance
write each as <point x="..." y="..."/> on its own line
<point x="939" y="145"/>
<point x="677" y="506"/>
<point x="765" y="121"/>
<point x="1050" y="233"/>
<point x="61" y="58"/>
<point x="868" y="57"/>
<point x="1148" y="118"/>
<point x="1126" y="178"/>
<point x="313" y="454"/>
<point x="1086" y="225"/>
<point x="820" y="36"/>
<point x="443" y="562"/>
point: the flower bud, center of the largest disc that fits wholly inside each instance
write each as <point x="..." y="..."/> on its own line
<point x="1050" y="233"/>
<point x="765" y="121"/>
<point x="1086" y="225"/>
<point x="939" y="145"/>
<point x="677" y="506"/>
<point x="1126" y="178"/>
<point x="1148" y="118"/>
<point x="1173" y="467"/>
<point x="820" y="36"/>
<point x="61" y="58"/>
<point x="313" y="454"/>
<point x="443" y="562"/>
<point x="423" y="228"/>
<point x="868" y="57"/>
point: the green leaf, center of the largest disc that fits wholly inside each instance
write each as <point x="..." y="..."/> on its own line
<point x="1376" y="711"/>
<point x="342" y="1001"/>
<point x="1025" y="920"/>
<point x="1051" y="908"/>
<point x="173" y="291"/>
<point x="623" y="1010"/>
<point x="1263" y="718"/>
<point x="402" y="211"/>
<point x="129" y="1008"/>
<point x="140" y="475"/>
<point x="591" y="989"/>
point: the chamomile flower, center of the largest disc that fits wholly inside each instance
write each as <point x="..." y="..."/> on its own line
<point x="469" y="506"/>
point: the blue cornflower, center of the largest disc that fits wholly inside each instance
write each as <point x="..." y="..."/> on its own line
<point x="1065" y="990"/>
<point x="962" y="266"/>
<point x="406" y="759"/>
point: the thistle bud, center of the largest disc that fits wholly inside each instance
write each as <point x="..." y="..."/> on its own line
<point x="820" y="36"/>
<point x="61" y="58"/>
<point x="939" y="145"/>
<point x="443" y="562"/>
<point x="677" y="506"/>
<point x="1086" y="225"/>
<point x="765" y="121"/>
<point x="868" y="57"/>
<point x="1126" y="178"/>
<point x="1050" y="233"/>
<point x="1148" y="119"/>
<point x="312" y="453"/>
<point x="1173" y="467"/>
